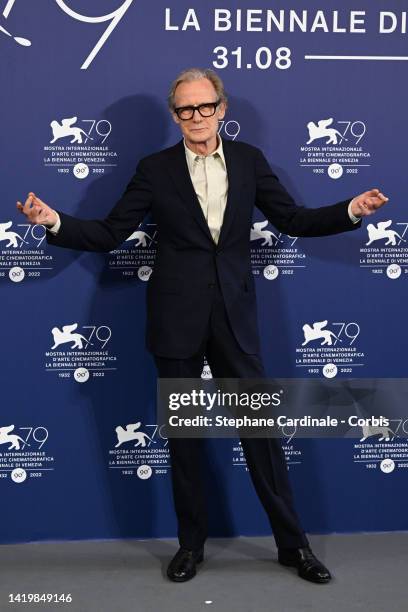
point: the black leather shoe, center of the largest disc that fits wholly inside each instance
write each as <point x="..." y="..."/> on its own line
<point x="183" y="565"/>
<point x="306" y="563"/>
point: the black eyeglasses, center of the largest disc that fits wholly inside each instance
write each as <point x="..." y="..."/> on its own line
<point x="207" y="109"/>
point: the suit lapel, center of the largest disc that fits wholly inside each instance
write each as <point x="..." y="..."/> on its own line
<point x="181" y="177"/>
<point x="235" y="173"/>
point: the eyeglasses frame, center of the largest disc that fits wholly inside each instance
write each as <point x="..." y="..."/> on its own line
<point x="196" y="107"/>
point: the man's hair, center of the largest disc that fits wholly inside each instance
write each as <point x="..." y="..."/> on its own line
<point x="194" y="74"/>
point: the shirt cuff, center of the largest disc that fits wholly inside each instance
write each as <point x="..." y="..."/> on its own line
<point x="54" y="229"/>
<point x="353" y="218"/>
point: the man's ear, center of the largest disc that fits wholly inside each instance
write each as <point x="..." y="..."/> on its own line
<point x="222" y="110"/>
<point x="175" y="118"/>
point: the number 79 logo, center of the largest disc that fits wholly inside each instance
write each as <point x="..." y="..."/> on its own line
<point x="113" y="18"/>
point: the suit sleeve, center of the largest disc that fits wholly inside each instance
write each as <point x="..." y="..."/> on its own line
<point x="280" y="209"/>
<point x="107" y="234"/>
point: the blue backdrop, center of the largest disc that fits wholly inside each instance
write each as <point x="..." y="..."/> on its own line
<point x="83" y="97"/>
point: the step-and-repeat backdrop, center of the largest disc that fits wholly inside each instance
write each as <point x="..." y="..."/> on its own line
<point x="323" y="92"/>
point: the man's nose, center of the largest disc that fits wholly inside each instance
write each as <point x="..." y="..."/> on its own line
<point x="196" y="116"/>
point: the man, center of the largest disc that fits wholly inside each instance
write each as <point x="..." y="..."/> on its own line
<point x="201" y="297"/>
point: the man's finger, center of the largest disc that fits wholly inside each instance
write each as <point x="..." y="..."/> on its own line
<point x="374" y="193"/>
<point x="374" y="204"/>
<point x="372" y="200"/>
<point x="43" y="213"/>
<point x="370" y="203"/>
<point x="379" y="200"/>
<point x="27" y="204"/>
<point x="38" y="201"/>
<point x="381" y="197"/>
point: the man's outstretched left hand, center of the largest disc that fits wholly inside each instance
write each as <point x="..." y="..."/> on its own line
<point x="367" y="203"/>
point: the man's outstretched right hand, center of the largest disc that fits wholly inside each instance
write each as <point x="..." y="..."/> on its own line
<point x="37" y="212"/>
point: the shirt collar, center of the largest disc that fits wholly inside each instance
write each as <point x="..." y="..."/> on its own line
<point x="191" y="156"/>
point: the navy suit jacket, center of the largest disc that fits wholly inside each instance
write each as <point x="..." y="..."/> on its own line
<point x="188" y="262"/>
